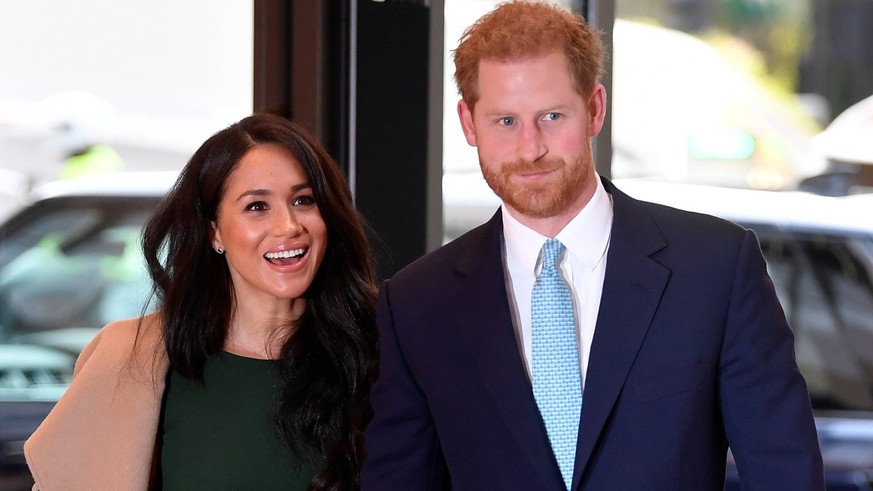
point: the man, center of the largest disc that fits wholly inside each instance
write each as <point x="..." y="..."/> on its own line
<point x="677" y="345"/>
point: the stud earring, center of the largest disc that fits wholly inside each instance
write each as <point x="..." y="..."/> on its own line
<point x="219" y="250"/>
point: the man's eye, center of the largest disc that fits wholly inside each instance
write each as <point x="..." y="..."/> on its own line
<point x="506" y="121"/>
<point x="551" y="116"/>
<point x="303" y="201"/>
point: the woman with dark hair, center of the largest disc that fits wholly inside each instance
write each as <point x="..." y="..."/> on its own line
<point x="255" y="372"/>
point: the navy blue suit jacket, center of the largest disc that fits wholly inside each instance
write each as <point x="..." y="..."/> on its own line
<point x="691" y="353"/>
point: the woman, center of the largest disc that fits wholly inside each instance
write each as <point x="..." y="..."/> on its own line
<point x="255" y="372"/>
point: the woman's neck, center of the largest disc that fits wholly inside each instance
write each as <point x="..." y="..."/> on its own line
<point x="259" y="331"/>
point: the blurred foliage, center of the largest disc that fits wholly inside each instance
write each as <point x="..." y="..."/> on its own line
<point x="751" y="61"/>
<point x="776" y="31"/>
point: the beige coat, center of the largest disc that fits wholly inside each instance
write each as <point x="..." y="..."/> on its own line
<point x="101" y="434"/>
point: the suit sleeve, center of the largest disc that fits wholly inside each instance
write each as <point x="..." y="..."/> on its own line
<point x="764" y="400"/>
<point x="403" y="449"/>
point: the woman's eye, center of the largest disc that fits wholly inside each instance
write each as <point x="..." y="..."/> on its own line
<point x="303" y="201"/>
<point x="256" y="206"/>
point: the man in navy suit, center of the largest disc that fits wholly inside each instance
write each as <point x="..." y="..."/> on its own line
<point x="682" y="347"/>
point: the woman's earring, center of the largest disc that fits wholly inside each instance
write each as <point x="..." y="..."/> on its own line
<point x="219" y="250"/>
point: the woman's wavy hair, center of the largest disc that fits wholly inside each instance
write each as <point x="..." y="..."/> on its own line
<point x="328" y="366"/>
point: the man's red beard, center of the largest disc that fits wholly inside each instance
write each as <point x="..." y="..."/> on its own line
<point x="542" y="199"/>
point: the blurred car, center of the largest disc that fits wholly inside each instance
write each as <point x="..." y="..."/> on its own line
<point x="70" y="262"/>
<point x="819" y="252"/>
<point x="13" y="188"/>
<point x="845" y="145"/>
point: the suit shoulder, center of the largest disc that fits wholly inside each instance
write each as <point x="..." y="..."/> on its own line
<point x="675" y="222"/>
<point x="692" y="218"/>
<point x="473" y="245"/>
<point x="673" y="219"/>
<point x="674" y="236"/>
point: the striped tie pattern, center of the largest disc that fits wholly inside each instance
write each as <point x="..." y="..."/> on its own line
<point x="556" y="380"/>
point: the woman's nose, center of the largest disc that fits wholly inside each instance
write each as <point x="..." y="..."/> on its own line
<point x="287" y="224"/>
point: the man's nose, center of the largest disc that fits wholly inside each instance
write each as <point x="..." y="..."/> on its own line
<point x="530" y="143"/>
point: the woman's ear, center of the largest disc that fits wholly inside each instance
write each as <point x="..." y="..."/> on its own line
<point x="215" y="237"/>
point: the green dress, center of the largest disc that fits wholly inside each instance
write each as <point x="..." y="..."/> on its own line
<point x="219" y="435"/>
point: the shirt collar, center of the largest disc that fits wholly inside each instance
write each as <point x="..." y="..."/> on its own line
<point x="586" y="237"/>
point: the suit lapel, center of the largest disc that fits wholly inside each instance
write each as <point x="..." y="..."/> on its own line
<point x="631" y="293"/>
<point x="483" y="315"/>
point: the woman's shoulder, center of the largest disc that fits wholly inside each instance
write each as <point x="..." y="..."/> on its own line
<point x="126" y="331"/>
<point x="128" y="336"/>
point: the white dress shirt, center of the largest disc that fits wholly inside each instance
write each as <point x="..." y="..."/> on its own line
<point x="583" y="266"/>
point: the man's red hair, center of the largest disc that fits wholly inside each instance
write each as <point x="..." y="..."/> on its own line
<point x="527" y="29"/>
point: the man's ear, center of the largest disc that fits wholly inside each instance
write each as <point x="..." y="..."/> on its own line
<point x="596" y="109"/>
<point x="466" y="117"/>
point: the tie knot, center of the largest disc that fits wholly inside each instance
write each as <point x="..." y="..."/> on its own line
<point x="551" y="254"/>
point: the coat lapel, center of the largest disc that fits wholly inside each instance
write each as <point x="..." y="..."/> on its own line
<point x="631" y="293"/>
<point x="483" y="315"/>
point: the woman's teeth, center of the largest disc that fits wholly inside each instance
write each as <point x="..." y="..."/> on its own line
<point x="285" y="254"/>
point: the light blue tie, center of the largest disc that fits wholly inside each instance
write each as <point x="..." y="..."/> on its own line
<point x="557" y="384"/>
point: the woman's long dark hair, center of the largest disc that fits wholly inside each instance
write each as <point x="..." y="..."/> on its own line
<point x="329" y="363"/>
